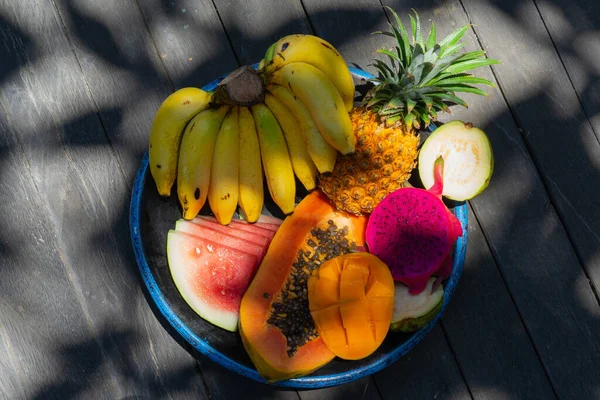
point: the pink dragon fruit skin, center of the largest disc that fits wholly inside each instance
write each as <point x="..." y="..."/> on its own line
<point x="413" y="232"/>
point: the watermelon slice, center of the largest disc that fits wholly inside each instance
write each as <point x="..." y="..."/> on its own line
<point x="244" y="226"/>
<point x="222" y="238"/>
<point x="240" y="225"/>
<point x="248" y="236"/>
<point x="211" y="277"/>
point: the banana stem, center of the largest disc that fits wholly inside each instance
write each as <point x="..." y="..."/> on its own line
<point x="243" y="87"/>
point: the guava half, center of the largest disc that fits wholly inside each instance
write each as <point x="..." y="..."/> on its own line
<point x="468" y="160"/>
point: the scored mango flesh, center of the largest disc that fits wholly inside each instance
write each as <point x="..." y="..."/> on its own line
<point x="351" y="300"/>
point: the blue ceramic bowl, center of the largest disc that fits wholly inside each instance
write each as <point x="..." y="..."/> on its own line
<point x="150" y="219"/>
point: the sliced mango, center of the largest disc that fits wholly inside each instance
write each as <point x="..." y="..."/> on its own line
<point x="329" y="321"/>
<point x="381" y="313"/>
<point x="359" y="268"/>
<point x="377" y="288"/>
<point x="329" y="270"/>
<point x="351" y="299"/>
<point x="351" y="285"/>
<point x="359" y="328"/>
<point x="329" y="293"/>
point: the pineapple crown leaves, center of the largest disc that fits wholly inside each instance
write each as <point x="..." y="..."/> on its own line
<point x="423" y="76"/>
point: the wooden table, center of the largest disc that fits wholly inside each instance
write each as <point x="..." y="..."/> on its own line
<point x="80" y="81"/>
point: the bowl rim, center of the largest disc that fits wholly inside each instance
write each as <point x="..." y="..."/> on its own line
<point x="310" y="381"/>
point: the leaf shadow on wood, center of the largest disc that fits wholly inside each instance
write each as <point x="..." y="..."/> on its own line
<point x="16" y="41"/>
<point x="101" y="42"/>
<point x="81" y="363"/>
<point x="8" y="240"/>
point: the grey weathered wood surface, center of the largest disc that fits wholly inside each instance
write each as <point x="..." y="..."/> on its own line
<point x="80" y="82"/>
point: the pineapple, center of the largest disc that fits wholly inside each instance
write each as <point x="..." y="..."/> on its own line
<point x="421" y="79"/>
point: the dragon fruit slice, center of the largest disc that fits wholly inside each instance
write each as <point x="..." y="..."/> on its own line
<point x="413" y="232"/>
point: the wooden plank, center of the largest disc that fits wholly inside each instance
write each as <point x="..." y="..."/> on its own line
<point x="225" y="384"/>
<point x="252" y="26"/>
<point x="348" y="26"/>
<point x="567" y="161"/>
<point x="486" y="333"/>
<point x="428" y="371"/>
<point x="363" y="389"/>
<point x="45" y="337"/>
<point x="492" y="348"/>
<point x="527" y="238"/>
<point x="573" y="26"/>
<point x="190" y="40"/>
<point x="125" y="76"/>
<point x="83" y="193"/>
<point x="184" y="30"/>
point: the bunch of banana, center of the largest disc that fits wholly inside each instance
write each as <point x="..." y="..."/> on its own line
<point x="320" y="81"/>
<point x="289" y="123"/>
<point x="221" y="156"/>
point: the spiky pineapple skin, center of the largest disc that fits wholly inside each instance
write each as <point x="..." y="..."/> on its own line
<point x="383" y="161"/>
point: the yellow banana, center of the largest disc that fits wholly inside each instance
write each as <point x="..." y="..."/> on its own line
<point x="275" y="157"/>
<point x="195" y="159"/>
<point x="322" y="153"/>
<point x="316" y="91"/>
<point x="224" y="188"/>
<point x="251" y="198"/>
<point x="303" y="166"/>
<point x="317" y="52"/>
<point x="166" y="131"/>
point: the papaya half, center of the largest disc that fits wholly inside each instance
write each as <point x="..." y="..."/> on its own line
<point x="275" y="324"/>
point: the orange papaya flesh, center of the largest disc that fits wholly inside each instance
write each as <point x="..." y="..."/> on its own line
<point x="277" y="329"/>
<point x="356" y="326"/>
